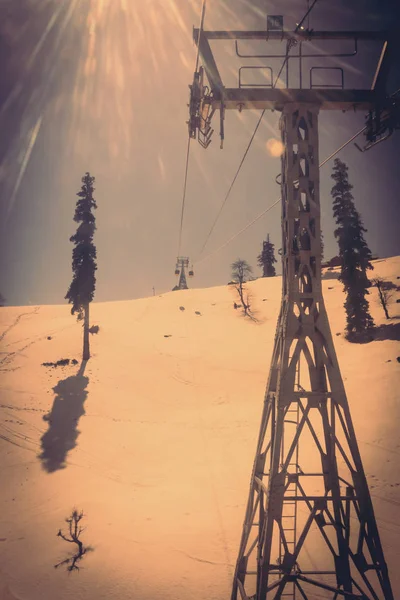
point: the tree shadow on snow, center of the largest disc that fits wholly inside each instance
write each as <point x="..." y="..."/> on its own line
<point x="63" y="420"/>
<point x="330" y="275"/>
<point x="387" y="332"/>
<point x="253" y="317"/>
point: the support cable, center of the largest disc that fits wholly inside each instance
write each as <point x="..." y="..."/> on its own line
<point x="203" y="12"/>
<point x="307" y="14"/>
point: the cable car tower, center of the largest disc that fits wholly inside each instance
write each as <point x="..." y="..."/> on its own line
<point x="182" y="263"/>
<point x="309" y="526"/>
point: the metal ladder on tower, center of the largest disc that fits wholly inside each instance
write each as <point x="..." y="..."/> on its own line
<point x="288" y="537"/>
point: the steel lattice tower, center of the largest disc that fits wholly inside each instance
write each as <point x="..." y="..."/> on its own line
<point x="305" y="399"/>
<point x="182" y="263"/>
<point x="309" y="525"/>
<point x="182" y="285"/>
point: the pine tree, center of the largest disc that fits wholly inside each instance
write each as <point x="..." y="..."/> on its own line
<point x="355" y="256"/>
<point x="81" y="290"/>
<point x="267" y="259"/>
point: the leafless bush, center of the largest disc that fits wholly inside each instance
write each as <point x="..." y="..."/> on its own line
<point x="74" y="531"/>
<point x="385" y="291"/>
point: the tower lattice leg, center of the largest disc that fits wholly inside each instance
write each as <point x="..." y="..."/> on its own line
<point x="182" y="285"/>
<point x="309" y="528"/>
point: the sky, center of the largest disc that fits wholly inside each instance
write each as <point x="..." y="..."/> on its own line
<point x="102" y="86"/>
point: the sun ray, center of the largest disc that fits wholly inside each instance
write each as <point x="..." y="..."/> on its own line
<point x="24" y="163"/>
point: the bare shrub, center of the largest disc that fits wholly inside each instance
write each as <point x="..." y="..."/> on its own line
<point x="385" y="291"/>
<point x="74" y="532"/>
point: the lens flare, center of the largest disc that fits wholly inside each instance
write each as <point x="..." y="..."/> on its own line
<point x="274" y="147"/>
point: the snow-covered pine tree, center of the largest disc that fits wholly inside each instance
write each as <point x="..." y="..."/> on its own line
<point x="354" y="254"/>
<point x="267" y="259"/>
<point x="82" y="288"/>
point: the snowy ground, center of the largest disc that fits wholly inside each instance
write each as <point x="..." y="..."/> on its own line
<point x="155" y="440"/>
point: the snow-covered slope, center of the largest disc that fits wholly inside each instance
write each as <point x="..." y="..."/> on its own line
<point x="155" y="439"/>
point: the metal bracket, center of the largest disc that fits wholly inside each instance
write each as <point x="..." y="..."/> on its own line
<point x="317" y="55"/>
<point x="372" y="144"/>
<point x="275" y="25"/>
<point x="205" y="101"/>
<point x="380" y="124"/>
<point x="200" y="110"/>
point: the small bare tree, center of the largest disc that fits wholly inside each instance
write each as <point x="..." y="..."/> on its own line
<point x="241" y="273"/>
<point x="75" y="530"/>
<point x="385" y="292"/>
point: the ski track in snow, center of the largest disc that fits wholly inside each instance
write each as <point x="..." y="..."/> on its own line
<point x="202" y="560"/>
<point x="9" y="356"/>
<point x="17" y="320"/>
<point x="7" y="360"/>
<point x="209" y="461"/>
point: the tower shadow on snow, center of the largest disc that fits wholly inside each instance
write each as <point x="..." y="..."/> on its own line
<point x="63" y="420"/>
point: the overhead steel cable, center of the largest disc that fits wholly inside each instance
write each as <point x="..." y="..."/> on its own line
<point x="289" y="46"/>
<point x="307" y="14"/>
<point x="232" y="184"/>
<point x="184" y="196"/>
<point x="237" y="234"/>
<point x="343" y="146"/>
<point x="203" y="12"/>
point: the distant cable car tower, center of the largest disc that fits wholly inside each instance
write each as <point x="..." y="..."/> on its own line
<point x="182" y="263"/>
